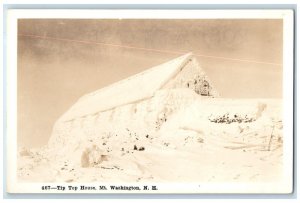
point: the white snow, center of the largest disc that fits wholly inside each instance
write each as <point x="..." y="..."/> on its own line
<point x="186" y="147"/>
<point x="162" y="135"/>
<point x="141" y="86"/>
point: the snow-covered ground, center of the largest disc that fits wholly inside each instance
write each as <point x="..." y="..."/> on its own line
<point x="176" y="136"/>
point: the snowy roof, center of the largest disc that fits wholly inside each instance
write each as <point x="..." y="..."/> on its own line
<point x="127" y="91"/>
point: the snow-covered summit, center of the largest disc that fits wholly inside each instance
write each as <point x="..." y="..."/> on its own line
<point x="161" y="125"/>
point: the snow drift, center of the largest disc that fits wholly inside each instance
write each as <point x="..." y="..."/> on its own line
<point x="165" y="124"/>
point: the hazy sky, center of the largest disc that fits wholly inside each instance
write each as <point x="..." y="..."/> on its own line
<point x="53" y="74"/>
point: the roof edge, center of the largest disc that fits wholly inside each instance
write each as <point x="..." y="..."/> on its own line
<point x="185" y="56"/>
<point x="185" y="59"/>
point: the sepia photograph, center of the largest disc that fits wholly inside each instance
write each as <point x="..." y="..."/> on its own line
<point x="146" y="104"/>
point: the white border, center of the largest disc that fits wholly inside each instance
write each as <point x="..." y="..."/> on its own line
<point x="287" y="16"/>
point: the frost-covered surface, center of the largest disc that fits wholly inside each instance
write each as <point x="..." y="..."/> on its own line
<point x="139" y="87"/>
<point x="193" y="77"/>
<point x="181" y="144"/>
<point x="165" y="132"/>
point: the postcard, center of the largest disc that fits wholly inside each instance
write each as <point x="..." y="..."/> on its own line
<point x="150" y="101"/>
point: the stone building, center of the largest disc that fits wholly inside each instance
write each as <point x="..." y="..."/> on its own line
<point x="142" y="102"/>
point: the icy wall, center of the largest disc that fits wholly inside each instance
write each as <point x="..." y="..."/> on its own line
<point x="143" y="117"/>
<point x="192" y="76"/>
<point x="139" y="110"/>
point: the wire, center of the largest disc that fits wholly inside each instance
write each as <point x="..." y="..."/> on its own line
<point x="145" y="49"/>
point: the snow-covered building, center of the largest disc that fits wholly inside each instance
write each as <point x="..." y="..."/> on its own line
<point x="145" y="99"/>
<point x="161" y="126"/>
